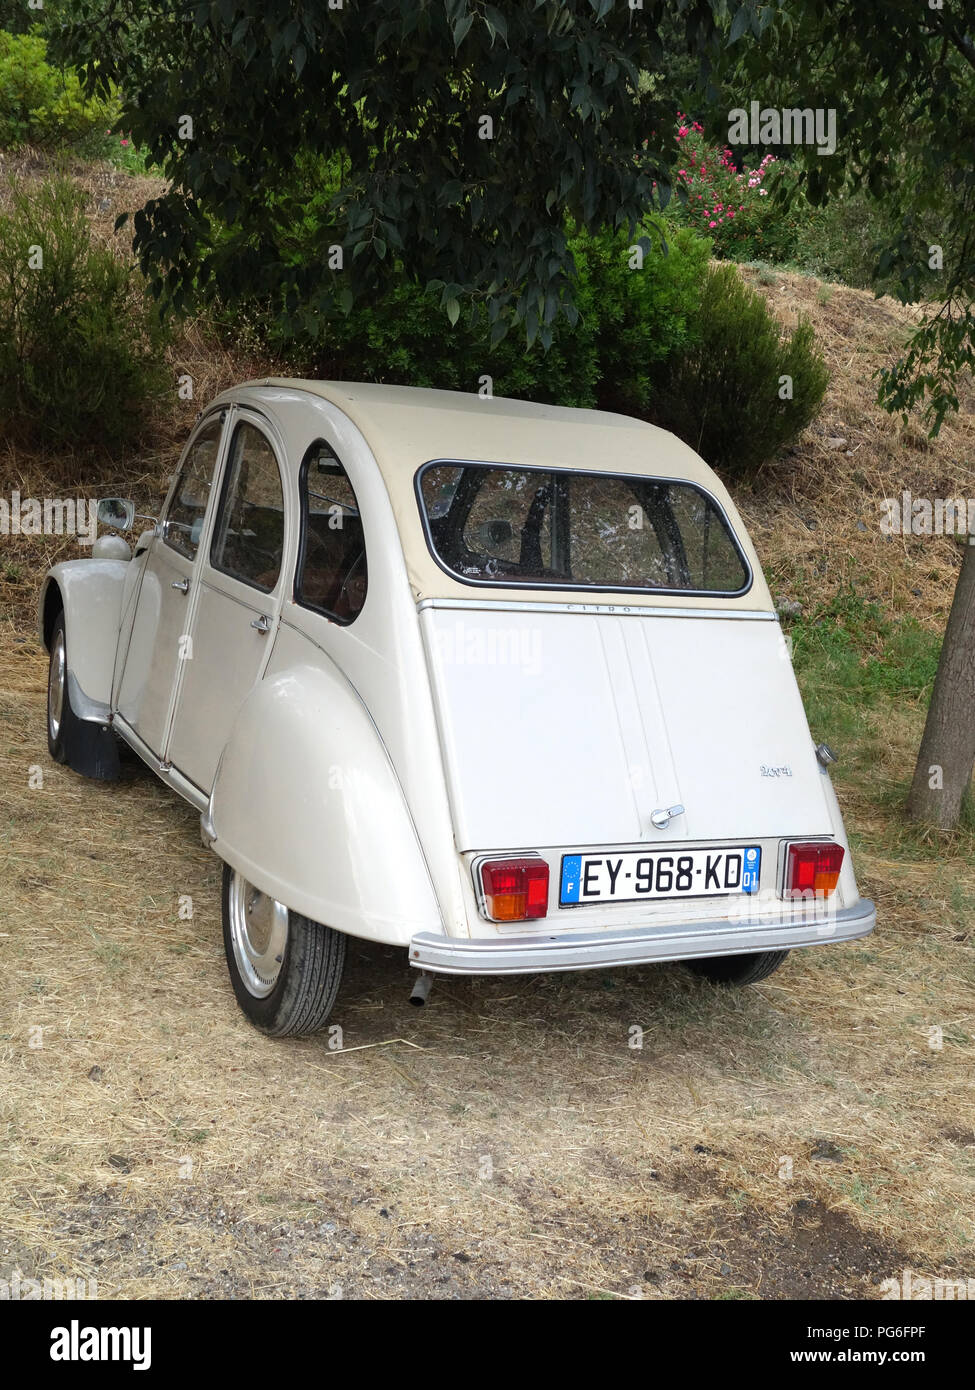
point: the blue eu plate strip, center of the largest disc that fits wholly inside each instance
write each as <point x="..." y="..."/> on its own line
<point x="571" y="874"/>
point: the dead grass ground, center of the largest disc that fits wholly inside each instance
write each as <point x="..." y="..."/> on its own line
<point x="799" y="1139"/>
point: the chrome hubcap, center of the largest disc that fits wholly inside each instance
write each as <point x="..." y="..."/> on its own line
<point x="55" y="686"/>
<point x="259" y="934"/>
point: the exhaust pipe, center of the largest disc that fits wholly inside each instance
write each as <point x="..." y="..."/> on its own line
<point x="421" y="988"/>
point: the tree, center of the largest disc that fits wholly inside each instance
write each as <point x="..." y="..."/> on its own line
<point x="901" y="79"/>
<point x="947" y="756"/>
<point x="465" y="137"/>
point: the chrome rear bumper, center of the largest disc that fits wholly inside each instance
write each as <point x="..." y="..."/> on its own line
<point x="529" y="955"/>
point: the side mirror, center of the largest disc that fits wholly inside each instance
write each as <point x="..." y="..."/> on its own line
<point x="117" y="512"/>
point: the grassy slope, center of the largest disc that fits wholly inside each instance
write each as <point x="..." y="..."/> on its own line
<point x="650" y="1173"/>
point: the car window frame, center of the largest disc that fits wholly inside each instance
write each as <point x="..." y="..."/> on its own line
<point x="314" y="447"/>
<point x="564" y="585"/>
<point x="219" y="418"/>
<point x="241" y="419"/>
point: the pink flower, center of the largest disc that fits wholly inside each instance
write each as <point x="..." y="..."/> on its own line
<point x="712" y="224"/>
<point x="125" y="142"/>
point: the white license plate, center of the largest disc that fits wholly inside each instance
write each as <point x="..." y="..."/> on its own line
<point x="637" y="874"/>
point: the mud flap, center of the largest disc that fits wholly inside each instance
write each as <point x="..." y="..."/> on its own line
<point x="92" y="750"/>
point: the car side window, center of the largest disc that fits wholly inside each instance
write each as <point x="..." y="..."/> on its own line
<point x="184" y="520"/>
<point x="248" y="539"/>
<point x="332" y="575"/>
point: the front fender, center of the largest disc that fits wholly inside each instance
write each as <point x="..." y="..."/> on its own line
<point x="307" y="806"/>
<point x="90" y="592"/>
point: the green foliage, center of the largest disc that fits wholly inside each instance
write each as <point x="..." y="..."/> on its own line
<point x="723" y="395"/>
<point x="469" y="136"/>
<point x="79" y="349"/>
<point x="17" y="17"/>
<point x="405" y="339"/>
<point x="902" y="82"/>
<point x="639" y="317"/>
<point x="853" y="664"/>
<point x="629" y="319"/>
<point x="843" y="240"/>
<point x="38" y="103"/>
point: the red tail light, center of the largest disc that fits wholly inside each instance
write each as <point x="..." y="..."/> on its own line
<point x="813" y="869"/>
<point x="515" y="890"/>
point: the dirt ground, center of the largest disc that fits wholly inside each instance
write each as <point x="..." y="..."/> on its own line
<point x="802" y="1138"/>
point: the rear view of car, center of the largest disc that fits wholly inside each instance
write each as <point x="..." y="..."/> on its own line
<point x="629" y="763"/>
<point x="498" y="683"/>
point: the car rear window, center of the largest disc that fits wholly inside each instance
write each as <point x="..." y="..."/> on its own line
<point x="569" y="529"/>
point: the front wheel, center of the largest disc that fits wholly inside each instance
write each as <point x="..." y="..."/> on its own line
<point x="285" y="969"/>
<point x="60" y="715"/>
<point x="737" y="970"/>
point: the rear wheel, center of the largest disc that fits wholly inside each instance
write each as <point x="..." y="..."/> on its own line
<point x="285" y="969"/>
<point x="738" y="970"/>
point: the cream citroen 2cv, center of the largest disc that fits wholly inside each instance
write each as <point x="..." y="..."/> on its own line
<point x="496" y="682"/>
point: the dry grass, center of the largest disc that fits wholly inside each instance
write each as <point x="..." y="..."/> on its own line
<point x="815" y="517"/>
<point x="612" y="1169"/>
<point x="506" y="1140"/>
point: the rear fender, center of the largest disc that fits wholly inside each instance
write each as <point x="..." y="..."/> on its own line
<point x="307" y="806"/>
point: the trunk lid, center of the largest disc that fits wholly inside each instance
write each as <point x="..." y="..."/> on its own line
<point x="566" y="728"/>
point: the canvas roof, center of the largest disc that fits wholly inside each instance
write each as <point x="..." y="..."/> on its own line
<point x="406" y="427"/>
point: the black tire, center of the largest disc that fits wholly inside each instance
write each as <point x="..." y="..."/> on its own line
<point x="738" y="970"/>
<point x="310" y="968"/>
<point x="60" y="729"/>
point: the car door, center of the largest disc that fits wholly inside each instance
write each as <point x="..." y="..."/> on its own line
<point x="240" y="584"/>
<point x="147" y="684"/>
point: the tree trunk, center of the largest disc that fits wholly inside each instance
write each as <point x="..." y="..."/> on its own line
<point x="947" y="757"/>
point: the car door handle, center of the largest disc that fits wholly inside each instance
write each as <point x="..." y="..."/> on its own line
<point x="183" y="585"/>
<point x="662" y="818"/>
<point x="262" y="624"/>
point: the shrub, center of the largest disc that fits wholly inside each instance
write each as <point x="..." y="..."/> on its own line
<point x="640" y="317"/>
<point x="39" y="104"/>
<point x="80" y="352"/>
<point x="405" y="338"/>
<point x="724" y="394"/>
<point x="628" y="319"/>
<point x="751" y="213"/>
<point x="842" y="240"/>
